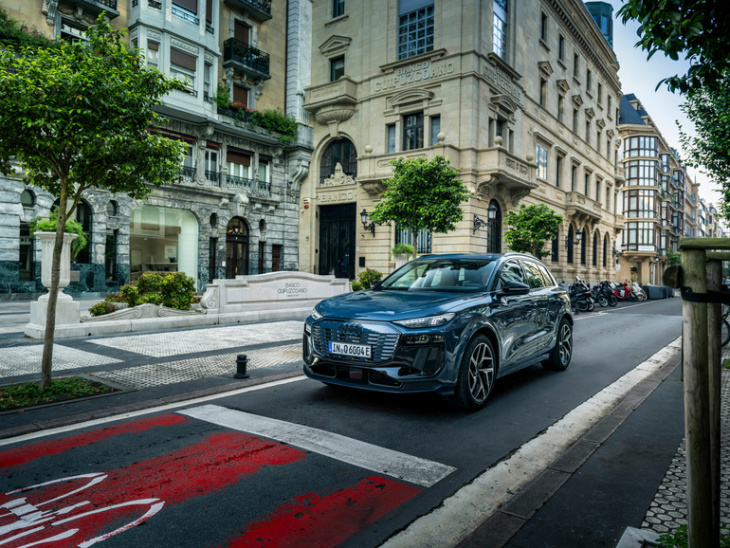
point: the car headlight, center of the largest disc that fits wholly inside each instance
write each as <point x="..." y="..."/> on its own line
<point x="315" y="315"/>
<point x="428" y="321"/>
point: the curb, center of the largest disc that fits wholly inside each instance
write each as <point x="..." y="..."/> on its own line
<point x="138" y="406"/>
<point x="499" y="528"/>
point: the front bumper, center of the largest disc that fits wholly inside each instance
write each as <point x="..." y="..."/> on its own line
<point x="395" y="367"/>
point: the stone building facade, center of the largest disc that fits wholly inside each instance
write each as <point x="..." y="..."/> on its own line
<point x="235" y="208"/>
<point x="659" y="201"/>
<point x="521" y="96"/>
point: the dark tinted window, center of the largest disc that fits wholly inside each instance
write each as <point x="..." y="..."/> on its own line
<point x="511" y="272"/>
<point x="534" y="276"/>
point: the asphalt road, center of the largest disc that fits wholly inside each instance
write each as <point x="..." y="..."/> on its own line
<point x="299" y="463"/>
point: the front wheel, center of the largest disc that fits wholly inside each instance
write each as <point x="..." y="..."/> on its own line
<point x="612" y="300"/>
<point x="603" y="301"/>
<point x="591" y="305"/>
<point x="562" y="352"/>
<point x="632" y="297"/>
<point x="476" y="374"/>
<point x="640" y="297"/>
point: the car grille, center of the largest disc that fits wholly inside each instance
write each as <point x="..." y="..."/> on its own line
<point x="383" y="344"/>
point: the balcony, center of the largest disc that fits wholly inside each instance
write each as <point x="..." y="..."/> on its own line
<point x="259" y="9"/>
<point x="214" y="177"/>
<point x="251" y="187"/>
<point x="94" y="7"/>
<point x="582" y="208"/>
<point x="499" y="169"/>
<point x="187" y="173"/>
<point x="246" y="59"/>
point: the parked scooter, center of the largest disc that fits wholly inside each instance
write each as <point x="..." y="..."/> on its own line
<point x="606" y="290"/>
<point x="640" y="293"/>
<point x="581" y="298"/>
<point x="624" y="292"/>
<point x="598" y="296"/>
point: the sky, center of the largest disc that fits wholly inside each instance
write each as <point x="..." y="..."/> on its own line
<point x="640" y="77"/>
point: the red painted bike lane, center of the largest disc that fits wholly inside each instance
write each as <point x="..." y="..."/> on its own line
<point x="85" y="509"/>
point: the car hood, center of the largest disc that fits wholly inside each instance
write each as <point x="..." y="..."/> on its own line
<point x="390" y="305"/>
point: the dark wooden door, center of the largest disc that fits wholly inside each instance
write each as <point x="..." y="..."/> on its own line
<point x="337" y="231"/>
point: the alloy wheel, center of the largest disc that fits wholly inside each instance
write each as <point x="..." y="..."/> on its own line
<point x="565" y="344"/>
<point x="481" y="372"/>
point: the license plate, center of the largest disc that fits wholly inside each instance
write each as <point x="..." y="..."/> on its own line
<point x="354" y="350"/>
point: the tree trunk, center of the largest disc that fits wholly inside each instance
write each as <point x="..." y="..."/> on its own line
<point x="414" y="238"/>
<point x="47" y="360"/>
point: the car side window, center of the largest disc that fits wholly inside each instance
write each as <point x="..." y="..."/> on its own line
<point x="511" y="272"/>
<point x="546" y="276"/>
<point x="534" y="276"/>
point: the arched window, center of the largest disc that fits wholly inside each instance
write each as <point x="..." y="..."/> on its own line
<point x="556" y="250"/>
<point x="595" y="248"/>
<point x="27" y="198"/>
<point x="583" y="246"/>
<point x="605" y="250"/>
<point x="83" y="215"/>
<point x="340" y="151"/>
<point x="112" y="208"/>
<point x="569" y="244"/>
<point x="237" y="251"/>
<point x="494" y="230"/>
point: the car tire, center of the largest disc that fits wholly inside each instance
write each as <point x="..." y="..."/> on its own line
<point x="477" y="374"/>
<point x="562" y="352"/>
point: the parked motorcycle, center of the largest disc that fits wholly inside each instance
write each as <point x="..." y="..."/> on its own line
<point x="598" y="296"/>
<point x="624" y="292"/>
<point x="607" y="291"/>
<point x="581" y="296"/>
<point x="640" y="293"/>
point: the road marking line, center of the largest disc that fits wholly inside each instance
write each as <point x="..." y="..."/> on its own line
<point x="465" y="510"/>
<point x="148" y="411"/>
<point x="365" y="455"/>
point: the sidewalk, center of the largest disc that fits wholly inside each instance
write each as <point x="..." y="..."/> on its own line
<point x="628" y="471"/>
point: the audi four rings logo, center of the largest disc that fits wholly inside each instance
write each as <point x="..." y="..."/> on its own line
<point x="351" y="329"/>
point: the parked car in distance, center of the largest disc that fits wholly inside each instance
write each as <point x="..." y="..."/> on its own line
<point x="446" y="324"/>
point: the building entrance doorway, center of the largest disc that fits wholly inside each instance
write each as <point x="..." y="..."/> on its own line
<point x="236" y="248"/>
<point x="337" y="231"/>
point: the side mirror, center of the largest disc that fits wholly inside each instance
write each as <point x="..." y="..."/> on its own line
<point x="514" y="288"/>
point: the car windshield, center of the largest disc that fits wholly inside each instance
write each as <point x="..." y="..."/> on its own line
<point x="468" y="275"/>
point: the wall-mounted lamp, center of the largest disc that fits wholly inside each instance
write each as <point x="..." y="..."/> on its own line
<point x="578" y="236"/>
<point x="364" y="221"/>
<point x="492" y="215"/>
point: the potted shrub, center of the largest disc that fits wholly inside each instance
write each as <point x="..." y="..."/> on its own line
<point x="402" y="253"/>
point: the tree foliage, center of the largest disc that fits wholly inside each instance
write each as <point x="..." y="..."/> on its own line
<point x="709" y="148"/>
<point x="530" y="227"/>
<point x="422" y="194"/>
<point x="696" y="29"/>
<point x="77" y="116"/>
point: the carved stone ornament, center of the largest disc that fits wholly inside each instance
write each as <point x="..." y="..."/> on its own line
<point x="339" y="177"/>
<point x="546" y="70"/>
<point x="590" y="113"/>
<point x="563" y="85"/>
<point x="600" y="123"/>
<point x="335" y="115"/>
<point x="49" y="10"/>
<point x="373" y="187"/>
<point x="577" y="100"/>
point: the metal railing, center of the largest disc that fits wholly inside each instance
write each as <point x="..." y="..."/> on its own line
<point x="214" y="177"/>
<point x="185" y="15"/>
<point x="248" y="56"/>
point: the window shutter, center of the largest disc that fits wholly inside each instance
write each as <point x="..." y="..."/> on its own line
<point x="240" y="95"/>
<point x="183" y="59"/>
<point x="190" y="5"/>
<point x="238" y="157"/>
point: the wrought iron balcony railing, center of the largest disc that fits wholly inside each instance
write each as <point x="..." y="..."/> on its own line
<point x="187" y="173"/>
<point x="260" y="9"/>
<point x="247" y="58"/>
<point x="238" y="182"/>
<point x="214" y="177"/>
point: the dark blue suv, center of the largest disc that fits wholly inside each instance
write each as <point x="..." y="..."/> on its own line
<point x="447" y="324"/>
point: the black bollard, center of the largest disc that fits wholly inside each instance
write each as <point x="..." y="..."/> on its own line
<point x="241" y="364"/>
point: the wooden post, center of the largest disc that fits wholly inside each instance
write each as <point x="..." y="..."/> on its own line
<point x="714" y="283"/>
<point x="696" y="402"/>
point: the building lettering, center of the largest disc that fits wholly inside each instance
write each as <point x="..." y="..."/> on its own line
<point x="344" y="196"/>
<point x="292" y="289"/>
<point x="499" y="80"/>
<point x="413" y="74"/>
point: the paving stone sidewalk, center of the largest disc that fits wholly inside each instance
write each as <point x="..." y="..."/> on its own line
<point x="668" y="510"/>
